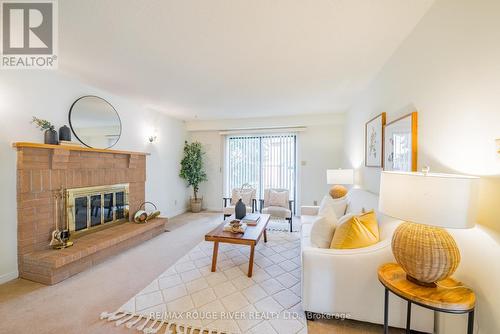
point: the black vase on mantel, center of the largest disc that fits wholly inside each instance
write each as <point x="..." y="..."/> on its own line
<point x="50" y="137"/>
<point x="240" y="210"/>
<point x="64" y="133"/>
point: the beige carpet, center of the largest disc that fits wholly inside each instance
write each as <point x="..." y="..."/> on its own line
<point x="71" y="306"/>
<point x="192" y="297"/>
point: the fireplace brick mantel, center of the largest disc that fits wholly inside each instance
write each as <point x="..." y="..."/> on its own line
<point x="43" y="170"/>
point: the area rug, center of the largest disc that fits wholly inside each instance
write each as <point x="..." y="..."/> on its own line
<point x="280" y="224"/>
<point x="189" y="298"/>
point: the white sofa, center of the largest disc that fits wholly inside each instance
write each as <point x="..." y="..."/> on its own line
<point x="338" y="281"/>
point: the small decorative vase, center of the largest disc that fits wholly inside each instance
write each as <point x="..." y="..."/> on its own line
<point x="64" y="133"/>
<point x="50" y="137"/>
<point x="240" y="210"/>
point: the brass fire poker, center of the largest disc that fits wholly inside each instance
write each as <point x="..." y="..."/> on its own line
<point x="60" y="238"/>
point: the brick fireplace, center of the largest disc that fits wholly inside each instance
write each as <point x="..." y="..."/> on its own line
<point x="42" y="171"/>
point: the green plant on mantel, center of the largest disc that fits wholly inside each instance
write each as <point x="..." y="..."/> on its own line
<point x="192" y="169"/>
<point x="42" y="124"/>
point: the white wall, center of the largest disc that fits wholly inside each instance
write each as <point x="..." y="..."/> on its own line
<point x="319" y="148"/>
<point x="49" y="95"/>
<point x="212" y="189"/>
<point x="449" y="70"/>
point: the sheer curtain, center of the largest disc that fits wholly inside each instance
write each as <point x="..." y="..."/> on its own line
<point x="263" y="161"/>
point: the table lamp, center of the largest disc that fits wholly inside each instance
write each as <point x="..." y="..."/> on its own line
<point x="339" y="177"/>
<point x="427" y="202"/>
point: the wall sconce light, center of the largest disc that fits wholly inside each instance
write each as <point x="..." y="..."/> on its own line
<point x="152" y="138"/>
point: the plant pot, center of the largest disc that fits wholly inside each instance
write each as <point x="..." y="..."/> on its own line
<point x="50" y="137"/>
<point x="196" y="204"/>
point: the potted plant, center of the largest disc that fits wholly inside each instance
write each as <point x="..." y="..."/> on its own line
<point x="193" y="172"/>
<point x="50" y="134"/>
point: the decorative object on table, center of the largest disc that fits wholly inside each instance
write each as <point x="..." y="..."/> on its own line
<point x="427" y="202"/>
<point x="50" y="134"/>
<point x="450" y="296"/>
<point x="60" y="237"/>
<point x="251" y="219"/>
<point x="374" y="139"/>
<point x="95" y="122"/>
<point x="400" y="143"/>
<point x="235" y="226"/>
<point x="193" y="171"/>
<point x="142" y="215"/>
<point x="64" y="133"/>
<point x="339" y="178"/>
<point x="240" y="209"/>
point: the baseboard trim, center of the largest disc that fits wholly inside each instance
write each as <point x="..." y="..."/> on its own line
<point x="177" y="213"/>
<point x="208" y="209"/>
<point x="9" y="276"/>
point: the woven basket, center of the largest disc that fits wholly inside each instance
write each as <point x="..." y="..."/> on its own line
<point x="427" y="254"/>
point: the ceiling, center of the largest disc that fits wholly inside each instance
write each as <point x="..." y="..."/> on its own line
<point x="233" y="58"/>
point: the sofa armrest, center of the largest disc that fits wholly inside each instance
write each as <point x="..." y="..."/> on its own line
<point x="340" y="280"/>
<point x="345" y="281"/>
<point x="309" y="210"/>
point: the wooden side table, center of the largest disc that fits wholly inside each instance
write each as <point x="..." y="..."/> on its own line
<point x="450" y="296"/>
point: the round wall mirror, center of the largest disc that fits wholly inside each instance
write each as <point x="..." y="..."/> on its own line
<point x="94" y="122"/>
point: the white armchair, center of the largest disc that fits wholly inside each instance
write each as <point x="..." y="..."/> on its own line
<point x="279" y="207"/>
<point x="345" y="281"/>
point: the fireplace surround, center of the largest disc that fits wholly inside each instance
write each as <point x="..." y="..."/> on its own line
<point x="42" y="171"/>
<point x="89" y="209"/>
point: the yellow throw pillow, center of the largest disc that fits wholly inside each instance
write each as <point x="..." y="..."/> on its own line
<point x="356" y="232"/>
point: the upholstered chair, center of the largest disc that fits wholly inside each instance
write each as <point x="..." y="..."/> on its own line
<point x="278" y="204"/>
<point x="247" y="196"/>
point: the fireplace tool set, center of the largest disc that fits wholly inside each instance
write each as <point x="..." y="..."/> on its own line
<point x="60" y="237"/>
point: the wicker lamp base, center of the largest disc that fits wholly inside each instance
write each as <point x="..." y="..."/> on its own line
<point x="338" y="191"/>
<point x="426" y="253"/>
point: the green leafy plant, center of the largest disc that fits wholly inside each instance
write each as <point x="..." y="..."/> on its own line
<point x="192" y="169"/>
<point x="42" y="124"/>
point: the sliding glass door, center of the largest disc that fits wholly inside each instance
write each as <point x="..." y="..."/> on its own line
<point x="263" y="161"/>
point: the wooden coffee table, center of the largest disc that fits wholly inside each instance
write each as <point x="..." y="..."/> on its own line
<point x="251" y="237"/>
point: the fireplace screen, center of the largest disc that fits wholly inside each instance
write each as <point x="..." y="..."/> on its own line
<point x="94" y="207"/>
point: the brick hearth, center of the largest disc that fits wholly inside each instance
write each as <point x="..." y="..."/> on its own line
<point x="44" y="169"/>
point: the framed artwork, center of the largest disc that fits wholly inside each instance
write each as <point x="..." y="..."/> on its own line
<point x="400" y="143"/>
<point x="374" y="139"/>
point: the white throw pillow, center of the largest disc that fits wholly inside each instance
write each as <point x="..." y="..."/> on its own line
<point x="278" y="198"/>
<point x="322" y="231"/>
<point x="326" y="207"/>
<point x="330" y="206"/>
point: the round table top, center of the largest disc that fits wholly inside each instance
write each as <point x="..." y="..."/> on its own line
<point x="449" y="295"/>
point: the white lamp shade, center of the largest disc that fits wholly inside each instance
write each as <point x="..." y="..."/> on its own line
<point x="340" y="176"/>
<point x="443" y="200"/>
